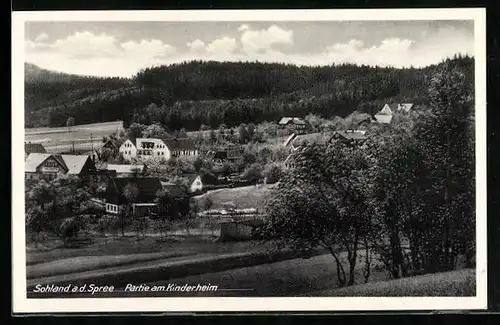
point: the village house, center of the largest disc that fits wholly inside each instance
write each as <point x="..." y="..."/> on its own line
<point x="294" y="124"/>
<point x="182" y="147"/>
<point x="349" y="136"/>
<point x="144" y="201"/>
<point x="148" y="148"/>
<point x="295" y="141"/>
<point x="96" y="149"/>
<point x="33" y="148"/>
<point x="194" y="182"/>
<point x="50" y="166"/>
<point x="233" y="155"/>
<point x="129" y="170"/>
<point x="386" y="113"/>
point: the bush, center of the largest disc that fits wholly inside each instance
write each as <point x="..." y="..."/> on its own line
<point x="273" y="173"/>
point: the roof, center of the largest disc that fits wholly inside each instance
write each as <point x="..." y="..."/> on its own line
<point x="405" y="107"/>
<point x="191" y="177"/>
<point x="381" y="118"/>
<point x="225" y="154"/>
<point x="73" y="163"/>
<point x="34" y="148"/>
<point x="174" y="190"/>
<point x="352" y="134"/>
<point x="123" y="169"/>
<point x="147" y="187"/>
<point x="178" y="144"/>
<point x="34" y="160"/>
<point x="140" y="141"/>
<point x="317" y="137"/>
<point x="294" y="120"/>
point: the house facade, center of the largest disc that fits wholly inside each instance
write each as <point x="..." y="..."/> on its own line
<point x="386" y="113"/>
<point x="195" y="183"/>
<point x="150" y="148"/>
<point x="142" y="204"/>
<point x="232" y="155"/>
<point x="50" y="166"/>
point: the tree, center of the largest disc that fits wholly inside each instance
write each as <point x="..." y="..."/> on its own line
<point x="323" y="202"/>
<point x="243" y="134"/>
<point x="212" y="136"/>
<point x="272" y="173"/>
<point x="130" y="194"/>
<point x="207" y="204"/>
<point x="251" y="129"/>
<point x="182" y="133"/>
<point x="135" y="131"/>
<point x="155" y="131"/>
<point x="70" y="122"/>
<point x="253" y="173"/>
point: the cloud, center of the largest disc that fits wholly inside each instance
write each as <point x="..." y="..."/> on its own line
<point x="243" y="27"/>
<point x="263" y="40"/>
<point x="196" y="45"/>
<point x="97" y="54"/>
<point x="41" y="37"/>
<point x="105" y="55"/>
<point x="391" y="51"/>
<point x="151" y="48"/>
<point x="222" y="45"/>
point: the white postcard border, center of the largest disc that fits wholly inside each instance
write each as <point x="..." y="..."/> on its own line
<point x="21" y="304"/>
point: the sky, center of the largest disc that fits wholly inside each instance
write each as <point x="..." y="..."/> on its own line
<point x="123" y="48"/>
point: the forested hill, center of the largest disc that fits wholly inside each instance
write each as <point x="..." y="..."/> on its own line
<point x="194" y="93"/>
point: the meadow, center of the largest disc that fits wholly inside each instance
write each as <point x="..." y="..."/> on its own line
<point x="81" y="137"/>
<point x="245" y="197"/>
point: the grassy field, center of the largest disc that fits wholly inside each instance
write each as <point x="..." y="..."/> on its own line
<point x="128" y="245"/>
<point x="458" y="283"/>
<point x="242" y="197"/>
<point x="61" y="138"/>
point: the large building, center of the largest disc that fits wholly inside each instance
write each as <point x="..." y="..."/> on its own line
<point x="50" y="166"/>
<point x="148" y="148"/>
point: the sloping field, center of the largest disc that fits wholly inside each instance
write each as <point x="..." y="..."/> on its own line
<point x="458" y="283"/>
<point x="242" y="197"/>
<point x="62" y="138"/>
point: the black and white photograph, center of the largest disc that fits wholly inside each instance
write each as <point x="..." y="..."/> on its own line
<point x="309" y="160"/>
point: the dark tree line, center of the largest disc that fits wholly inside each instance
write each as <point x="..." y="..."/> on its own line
<point x="188" y="95"/>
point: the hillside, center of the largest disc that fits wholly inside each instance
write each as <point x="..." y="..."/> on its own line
<point x="194" y="93"/>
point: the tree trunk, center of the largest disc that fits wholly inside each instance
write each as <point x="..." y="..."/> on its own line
<point x="340" y="269"/>
<point x="368" y="260"/>
<point x="352" y="261"/>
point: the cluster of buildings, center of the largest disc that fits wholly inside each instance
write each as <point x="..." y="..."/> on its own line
<point x="298" y="139"/>
<point x="148" y="148"/>
<point x="40" y="164"/>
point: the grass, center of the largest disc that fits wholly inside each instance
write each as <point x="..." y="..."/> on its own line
<point x="86" y="263"/>
<point x="61" y="138"/>
<point x="242" y="197"/>
<point x="129" y="245"/>
<point x="455" y="284"/>
<point x="281" y="279"/>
